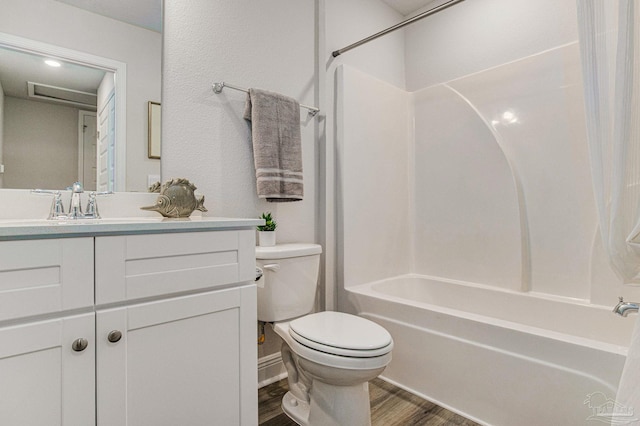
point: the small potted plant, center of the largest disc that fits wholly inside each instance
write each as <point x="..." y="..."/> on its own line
<point x="267" y="232"/>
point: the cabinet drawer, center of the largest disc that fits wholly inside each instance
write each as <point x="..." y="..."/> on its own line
<point x="131" y="267"/>
<point x="45" y="276"/>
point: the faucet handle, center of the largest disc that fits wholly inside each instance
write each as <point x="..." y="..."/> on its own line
<point x="45" y="191"/>
<point x="92" y="205"/>
<point x="57" y="209"/>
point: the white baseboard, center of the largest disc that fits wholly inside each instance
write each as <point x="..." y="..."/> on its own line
<point x="270" y="370"/>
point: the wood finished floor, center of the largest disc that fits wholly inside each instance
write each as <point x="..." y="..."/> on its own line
<point x="390" y="406"/>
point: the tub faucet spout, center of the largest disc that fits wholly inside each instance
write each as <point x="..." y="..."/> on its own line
<point x="623" y="308"/>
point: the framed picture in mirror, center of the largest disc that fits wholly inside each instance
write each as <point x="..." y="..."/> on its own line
<point x="154" y="130"/>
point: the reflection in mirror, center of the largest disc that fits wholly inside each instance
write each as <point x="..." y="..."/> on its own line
<point x="154" y="130"/>
<point x="109" y="71"/>
<point x="51" y="110"/>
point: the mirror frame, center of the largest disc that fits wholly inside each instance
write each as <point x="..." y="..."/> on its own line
<point x="154" y="126"/>
<point x="118" y="68"/>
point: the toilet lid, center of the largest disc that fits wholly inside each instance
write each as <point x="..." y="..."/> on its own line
<point x="341" y="334"/>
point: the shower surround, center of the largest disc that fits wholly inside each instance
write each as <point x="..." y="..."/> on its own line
<point x="481" y="187"/>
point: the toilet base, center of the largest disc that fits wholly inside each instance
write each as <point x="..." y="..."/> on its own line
<point x="330" y="406"/>
<point x="297" y="410"/>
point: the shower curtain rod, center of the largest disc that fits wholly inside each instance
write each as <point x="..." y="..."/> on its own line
<point x="217" y="88"/>
<point x="396" y="27"/>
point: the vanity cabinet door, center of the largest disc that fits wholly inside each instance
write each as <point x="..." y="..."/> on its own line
<point x="188" y="360"/>
<point x="43" y="380"/>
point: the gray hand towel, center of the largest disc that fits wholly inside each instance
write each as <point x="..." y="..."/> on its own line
<point x="277" y="149"/>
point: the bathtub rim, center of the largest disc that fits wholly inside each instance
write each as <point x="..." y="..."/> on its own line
<point x="368" y="289"/>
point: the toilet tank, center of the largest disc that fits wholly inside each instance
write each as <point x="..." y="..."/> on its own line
<point x="288" y="286"/>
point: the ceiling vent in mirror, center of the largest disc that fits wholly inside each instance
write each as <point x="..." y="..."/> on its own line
<point x="62" y="95"/>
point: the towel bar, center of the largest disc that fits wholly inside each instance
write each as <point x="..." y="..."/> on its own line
<point x="217" y="88"/>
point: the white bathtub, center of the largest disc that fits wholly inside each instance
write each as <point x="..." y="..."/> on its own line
<point x="497" y="357"/>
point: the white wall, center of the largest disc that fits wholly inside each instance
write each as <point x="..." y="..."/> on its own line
<point x="56" y="23"/>
<point x="40" y="137"/>
<point x="348" y="21"/>
<point x="476" y="35"/>
<point x="344" y="22"/>
<point x="205" y="138"/>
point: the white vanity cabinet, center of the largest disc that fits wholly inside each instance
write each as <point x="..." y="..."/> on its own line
<point x="46" y="310"/>
<point x="170" y="334"/>
<point x="179" y="360"/>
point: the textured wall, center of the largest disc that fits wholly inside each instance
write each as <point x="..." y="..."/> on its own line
<point x="348" y="21"/>
<point x="205" y="138"/>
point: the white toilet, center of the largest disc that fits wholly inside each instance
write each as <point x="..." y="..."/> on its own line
<point x="329" y="356"/>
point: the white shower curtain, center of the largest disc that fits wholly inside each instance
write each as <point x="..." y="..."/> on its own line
<point x="610" y="45"/>
<point x="610" y="50"/>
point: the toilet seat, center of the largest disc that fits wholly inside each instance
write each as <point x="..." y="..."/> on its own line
<point x="341" y="334"/>
<point x="328" y="359"/>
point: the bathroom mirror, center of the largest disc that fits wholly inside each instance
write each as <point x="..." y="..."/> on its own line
<point x="106" y="99"/>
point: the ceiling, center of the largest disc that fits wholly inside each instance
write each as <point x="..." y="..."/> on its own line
<point x="148" y="13"/>
<point x="18" y="67"/>
<point x="407" y="7"/>
<point x="142" y="13"/>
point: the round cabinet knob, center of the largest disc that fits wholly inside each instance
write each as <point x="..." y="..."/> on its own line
<point x="80" y="344"/>
<point x="114" y="336"/>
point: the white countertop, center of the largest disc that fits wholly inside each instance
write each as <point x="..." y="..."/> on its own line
<point x="15" y="229"/>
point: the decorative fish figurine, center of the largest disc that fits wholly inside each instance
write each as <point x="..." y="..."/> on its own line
<point x="155" y="187"/>
<point x="177" y="199"/>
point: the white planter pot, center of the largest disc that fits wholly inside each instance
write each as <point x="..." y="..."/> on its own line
<point x="266" y="238"/>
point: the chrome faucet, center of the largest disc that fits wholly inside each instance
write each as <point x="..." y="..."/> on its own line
<point x="75" y="209"/>
<point x="623" y="308"/>
<point x="75" y="206"/>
